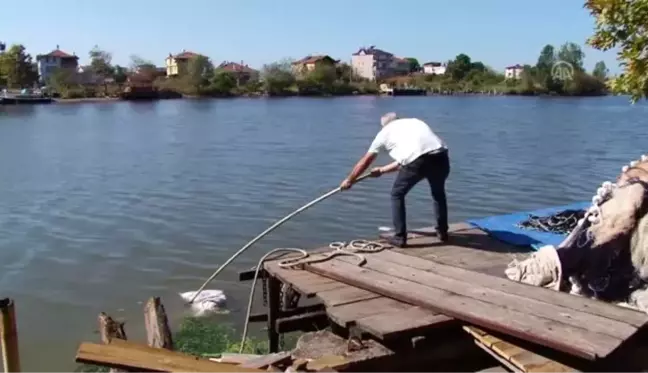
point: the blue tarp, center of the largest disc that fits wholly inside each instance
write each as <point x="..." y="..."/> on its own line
<point x="504" y="227"/>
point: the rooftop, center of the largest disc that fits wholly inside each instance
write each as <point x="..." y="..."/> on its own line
<point x="371" y="51"/>
<point x="57" y="53"/>
<point x="313" y="59"/>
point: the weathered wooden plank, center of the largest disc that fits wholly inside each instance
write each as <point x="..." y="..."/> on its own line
<point x="307" y="284"/>
<point x="343" y="295"/>
<point x="490" y="294"/>
<point x="411" y="322"/>
<point x="522" y="359"/>
<point x="265" y="361"/>
<point x="502" y="361"/>
<point x="234" y="358"/>
<point x="580" y="304"/>
<point x="577" y="341"/>
<point x="347" y="314"/>
<point x="138" y="357"/>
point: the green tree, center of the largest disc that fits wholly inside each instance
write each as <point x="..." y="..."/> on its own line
<point x="320" y="81"/>
<point x="16" y="67"/>
<point x="572" y="54"/>
<point x="459" y="67"/>
<point x="62" y="81"/>
<point x="199" y="72"/>
<point x="415" y="66"/>
<point x="600" y="71"/>
<point x="100" y="62"/>
<point x="277" y="77"/>
<point x="345" y="73"/>
<point x="120" y="75"/>
<point x="622" y="24"/>
<point x="223" y="83"/>
<point x="546" y="61"/>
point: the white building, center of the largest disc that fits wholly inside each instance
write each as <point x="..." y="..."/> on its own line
<point x="434" y="68"/>
<point x="56" y="59"/>
<point x="513" y="72"/>
<point x="373" y="63"/>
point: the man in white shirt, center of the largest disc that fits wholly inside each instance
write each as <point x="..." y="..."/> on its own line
<point x="418" y="154"/>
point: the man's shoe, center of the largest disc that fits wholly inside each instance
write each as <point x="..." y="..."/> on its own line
<point x="443" y="236"/>
<point x="393" y="241"/>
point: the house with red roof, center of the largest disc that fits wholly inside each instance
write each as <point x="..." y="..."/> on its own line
<point x="241" y="71"/>
<point x="56" y="59"/>
<point x="177" y="64"/>
<point x="309" y="63"/>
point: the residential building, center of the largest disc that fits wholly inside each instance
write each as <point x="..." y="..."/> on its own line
<point x="513" y="72"/>
<point x="308" y="63"/>
<point x="242" y="71"/>
<point x="434" y="68"/>
<point x="177" y="65"/>
<point x="372" y="63"/>
<point x="56" y="59"/>
<point x="400" y="66"/>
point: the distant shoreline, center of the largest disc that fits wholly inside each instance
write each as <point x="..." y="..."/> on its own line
<point x="85" y="100"/>
<point x="96" y="100"/>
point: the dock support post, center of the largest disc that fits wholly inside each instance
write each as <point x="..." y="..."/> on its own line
<point x="274" y="290"/>
<point x="9" y="336"/>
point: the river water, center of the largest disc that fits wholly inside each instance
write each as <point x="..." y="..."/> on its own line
<point x="105" y="205"/>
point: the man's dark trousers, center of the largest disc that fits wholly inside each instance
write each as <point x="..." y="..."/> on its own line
<point x="435" y="167"/>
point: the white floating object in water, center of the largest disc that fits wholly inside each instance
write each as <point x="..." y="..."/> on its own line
<point x="384" y="229"/>
<point x="207" y="302"/>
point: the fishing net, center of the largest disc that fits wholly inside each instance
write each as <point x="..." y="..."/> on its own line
<point x="561" y="222"/>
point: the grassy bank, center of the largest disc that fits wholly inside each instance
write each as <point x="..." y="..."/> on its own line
<point x="206" y="337"/>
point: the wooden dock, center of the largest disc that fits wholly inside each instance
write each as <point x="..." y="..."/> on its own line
<point x="443" y="293"/>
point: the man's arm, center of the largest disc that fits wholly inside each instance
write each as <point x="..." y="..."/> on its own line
<point x="394" y="166"/>
<point x="361" y="167"/>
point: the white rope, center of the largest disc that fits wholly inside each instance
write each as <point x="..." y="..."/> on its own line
<point x="253" y="289"/>
<point x="339" y="248"/>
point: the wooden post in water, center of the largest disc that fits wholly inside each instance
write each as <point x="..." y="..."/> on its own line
<point x="110" y="329"/>
<point x="274" y="297"/>
<point x="9" y="336"/>
<point x="158" y="332"/>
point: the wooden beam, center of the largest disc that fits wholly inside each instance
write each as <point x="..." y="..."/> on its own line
<point x="138" y="357"/>
<point x="9" y="336"/>
<point x="158" y="332"/>
<point x="273" y="289"/>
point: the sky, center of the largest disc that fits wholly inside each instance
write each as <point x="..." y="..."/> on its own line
<point x="497" y="32"/>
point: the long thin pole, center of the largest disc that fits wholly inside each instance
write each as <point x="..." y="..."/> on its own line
<point x="270" y="229"/>
<point x="9" y="336"/>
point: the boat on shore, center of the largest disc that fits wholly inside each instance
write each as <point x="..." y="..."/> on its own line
<point x="24" y="97"/>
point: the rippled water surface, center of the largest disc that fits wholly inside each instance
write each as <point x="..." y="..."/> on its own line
<point x="104" y="205"/>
